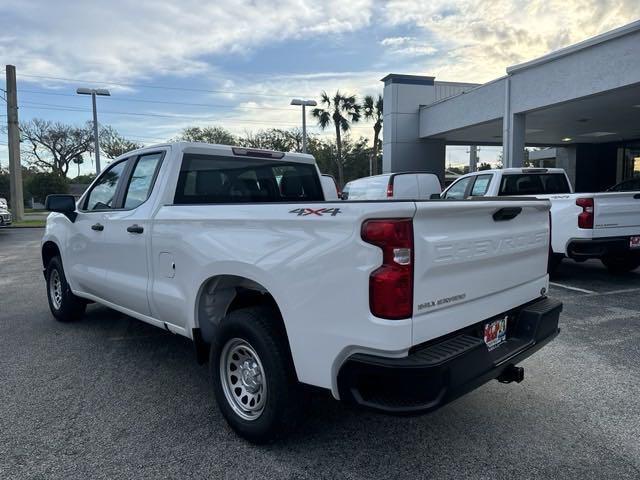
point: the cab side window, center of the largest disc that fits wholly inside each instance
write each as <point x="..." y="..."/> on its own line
<point x="459" y="189"/>
<point x="103" y="193"/>
<point x="141" y="181"/>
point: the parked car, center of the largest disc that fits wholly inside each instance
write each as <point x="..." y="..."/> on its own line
<point x="329" y="187"/>
<point x="3" y="203"/>
<point x="395" y="306"/>
<point x="584" y="225"/>
<point x="5" y="216"/>
<point x="631" y="185"/>
<point x="393" y="186"/>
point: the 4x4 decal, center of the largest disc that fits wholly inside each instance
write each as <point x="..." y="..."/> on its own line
<point x="303" y="212"/>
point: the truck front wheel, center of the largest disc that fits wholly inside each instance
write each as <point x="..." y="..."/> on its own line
<point x="622" y="263"/>
<point x="253" y="377"/>
<point x="64" y="305"/>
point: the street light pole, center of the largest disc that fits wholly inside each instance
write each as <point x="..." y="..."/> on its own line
<point x="93" y="92"/>
<point x="304" y="103"/>
<point x="95" y="132"/>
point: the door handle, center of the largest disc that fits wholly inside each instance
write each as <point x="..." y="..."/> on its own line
<point x="506" y="213"/>
<point x="97" y="227"/>
<point x="135" y="228"/>
<point x="637" y="196"/>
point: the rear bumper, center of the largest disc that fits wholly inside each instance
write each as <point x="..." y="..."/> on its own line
<point x="599" y="247"/>
<point x="440" y="371"/>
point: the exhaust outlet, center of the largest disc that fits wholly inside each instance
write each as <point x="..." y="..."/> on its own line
<point x="511" y="374"/>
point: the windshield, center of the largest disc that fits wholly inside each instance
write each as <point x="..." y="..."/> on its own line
<point x="534" y="184"/>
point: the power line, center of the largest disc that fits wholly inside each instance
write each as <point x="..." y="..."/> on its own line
<point x="164" y="102"/>
<point x="160" y="87"/>
<point x="36" y="106"/>
<point x="64" y="108"/>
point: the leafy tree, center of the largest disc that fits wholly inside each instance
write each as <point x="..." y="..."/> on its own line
<point x="55" y="145"/>
<point x="113" y="144"/>
<point x="274" y="139"/>
<point x="372" y="110"/>
<point x="341" y="110"/>
<point x="484" y="166"/>
<point x="83" y="179"/>
<point x="217" y="135"/>
<point x="42" y="184"/>
<point x="356" y="155"/>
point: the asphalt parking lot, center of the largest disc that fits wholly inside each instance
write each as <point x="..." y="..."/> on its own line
<point x="111" y="397"/>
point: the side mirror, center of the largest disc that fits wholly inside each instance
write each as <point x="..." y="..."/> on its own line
<point x="434" y="196"/>
<point x="65" y="204"/>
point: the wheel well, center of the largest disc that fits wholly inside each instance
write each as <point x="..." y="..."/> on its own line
<point x="224" y="293"/>
<point x="49" y="250"/>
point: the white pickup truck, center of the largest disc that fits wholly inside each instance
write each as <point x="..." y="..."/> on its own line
<point x="400" y="306"/>
<point x="602" y="225"/>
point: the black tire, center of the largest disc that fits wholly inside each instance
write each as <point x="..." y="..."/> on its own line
<point x="67" y="307"/>
<point x="554" y="262"/>
<point x="622" y="263"/>
<point x="283" y="402"/>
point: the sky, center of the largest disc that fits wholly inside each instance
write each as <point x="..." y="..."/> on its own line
<point x="170" y="64"/>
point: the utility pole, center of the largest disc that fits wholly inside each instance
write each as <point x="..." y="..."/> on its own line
<point x="473" y="158"/>
<point x="13" y="134"/>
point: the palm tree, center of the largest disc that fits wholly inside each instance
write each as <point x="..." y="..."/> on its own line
<point x="341" y="110"/>
<point x="372" y="110"/>
<point x="78" y="160"/>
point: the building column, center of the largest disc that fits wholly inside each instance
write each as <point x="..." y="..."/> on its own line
<point x="513" y="132"/>
<point x="566" y="159"/>
<point x="402" y="147"/>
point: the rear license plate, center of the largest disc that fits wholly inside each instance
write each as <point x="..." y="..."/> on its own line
<point x="495" y="332"/>
<point x="634" y="242"/>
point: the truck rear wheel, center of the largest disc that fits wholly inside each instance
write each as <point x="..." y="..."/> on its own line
<point x="622" y="263"/>
<point x="64" y="305"/>
<point x="254" y="381"/>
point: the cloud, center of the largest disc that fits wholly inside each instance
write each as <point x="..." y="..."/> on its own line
<point x="476" y="40"/>
<point x="123" y="40"/>
<point x="396" y="41"/>
<point x="407" y="46"/>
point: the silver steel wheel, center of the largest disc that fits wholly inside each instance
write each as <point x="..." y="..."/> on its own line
<point x="55" y="289"/>
<point x="243" y="380"/>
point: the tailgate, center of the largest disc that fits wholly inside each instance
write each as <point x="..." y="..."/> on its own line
<point x="472" y="261"/>
<point x="616" y="214"/>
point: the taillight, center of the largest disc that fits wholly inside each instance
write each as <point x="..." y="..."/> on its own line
<point x="390" y="188"/>
<point x="391" y="284"/>
<point x="585" y="218"/>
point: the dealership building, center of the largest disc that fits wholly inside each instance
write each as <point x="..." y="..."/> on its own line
<point x="581" y="102"/>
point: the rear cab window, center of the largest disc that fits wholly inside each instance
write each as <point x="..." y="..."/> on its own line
<point x="533" y="184"/>
<point x="142" y="178"/>
<point x="481" y="185"/>
<point x="219" y="179"/>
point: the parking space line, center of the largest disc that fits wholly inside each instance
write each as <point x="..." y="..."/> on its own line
<point x="615" y="292"/>
<point x="576" y="289"/>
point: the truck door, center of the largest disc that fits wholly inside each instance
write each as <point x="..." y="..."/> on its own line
<point x="127" y="233"/>
<point x="87" y="256"/>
